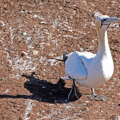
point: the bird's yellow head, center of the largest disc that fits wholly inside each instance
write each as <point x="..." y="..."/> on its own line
<point x="103" y="22"/>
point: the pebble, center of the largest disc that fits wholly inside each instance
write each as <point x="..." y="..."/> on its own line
<point x="81" y="49"/>
<point x="118" y="93"/>
<point x="7" y="91"/>
<point x="23" y="53"/>
<point x="43" y="87"/>
<point x="1" y="24"/>
<point x="87" y="101"/>
<point x="5" y="6"/>
<point x="24" y="33"/>
<point x="35" y="52"/>
<point x="92" y="24"/>
<point x="30" y="11"/>
<point x="115" y="117"/>
<point x="29" y="38"/>
<point x="47" y="44"/>
<point x="35" y="16"/>
<point x="43" y="22"/>
<point x="51" y="55"/>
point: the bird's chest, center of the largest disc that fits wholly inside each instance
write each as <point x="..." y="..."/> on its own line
<point x="103" y="69"/>
<point x="107" y="68"/>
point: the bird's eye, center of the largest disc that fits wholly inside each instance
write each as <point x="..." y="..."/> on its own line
<point x="103" y="20"/>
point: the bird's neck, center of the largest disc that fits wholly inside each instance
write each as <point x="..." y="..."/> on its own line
<point x="103" y="43"/>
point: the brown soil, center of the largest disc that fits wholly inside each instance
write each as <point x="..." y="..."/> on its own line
<point x="33" y="30"/>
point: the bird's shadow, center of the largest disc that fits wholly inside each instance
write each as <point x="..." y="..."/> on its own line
<point x="43" y="91"/>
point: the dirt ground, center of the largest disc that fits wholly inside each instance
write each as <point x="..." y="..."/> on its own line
<point x="33" y="30"/>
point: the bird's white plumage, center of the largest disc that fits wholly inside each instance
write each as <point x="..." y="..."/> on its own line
<point x="92" y="70"/>
<point x="76" y="65"/>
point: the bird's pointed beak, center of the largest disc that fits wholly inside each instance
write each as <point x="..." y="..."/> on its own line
<point x="111" y="20"/>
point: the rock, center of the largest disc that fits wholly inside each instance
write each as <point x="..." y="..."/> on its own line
<point x="51" y="55"/>
<point x="43" y="22"/>
<point x="115" y="117"/>
<point x="35" y="52"/>
<point x="30" y="12"/>
<point x="5" y="7"/>
<point x="47" y="44"/>
<point x="24" y="33"/>
<point x="1" y="24"/>
<point x="35" y="16"/>
<point x="81" y="49"/>
<point x="30" y="74"/>
<point x="92" y="24"/>
<point x="23" y="53"/>
<point x="29" y="38"/>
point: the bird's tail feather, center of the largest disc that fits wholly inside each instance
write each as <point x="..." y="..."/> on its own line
<point x="60" y="58"/>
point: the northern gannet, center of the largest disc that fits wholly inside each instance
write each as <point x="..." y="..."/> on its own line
<point x="88" y="69"/>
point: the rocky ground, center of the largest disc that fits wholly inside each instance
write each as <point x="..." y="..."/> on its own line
<point x="31" y="31"/>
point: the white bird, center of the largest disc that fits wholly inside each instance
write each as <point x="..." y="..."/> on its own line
<point x="88" y="69"/>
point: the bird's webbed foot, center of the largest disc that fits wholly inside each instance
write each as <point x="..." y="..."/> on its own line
<point x="98" y="97"/>
<point x="74" y="92"/>
<point x="93" y="96"/>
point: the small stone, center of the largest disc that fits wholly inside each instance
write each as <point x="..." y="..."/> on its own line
<point x="35" y="52"/>
<point x="66" y="100"/>
<point x="1" y="24"/>
<point x="115" y="117"/>
<point x="47" y="44"/>
<point x="118" y="93"/>
<point x="5" y="7"/>
<point x="7" y="91"/>
<point x="60" y="8"/>
<point x="28" y="75"/>
<point x="29" y="38"/>
<point x="51" y="55"/>
<point x="47" y="33"/>
<point x="81" y="49"/>
<point x="87" y="101"/>
<point x="29" y="12"/>
<point x="23" y="53"/>
<point x="43" y="22"/>
<point x="92" y="24"/>
<point x="43" y="87"/>
<point x="24" y="33"/>
<point x="35" y="16"/>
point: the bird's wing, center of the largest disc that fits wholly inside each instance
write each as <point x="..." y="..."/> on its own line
<point x="75" y="65"/>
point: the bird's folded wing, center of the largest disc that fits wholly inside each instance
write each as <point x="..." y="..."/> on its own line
<point x="75" y="67"/>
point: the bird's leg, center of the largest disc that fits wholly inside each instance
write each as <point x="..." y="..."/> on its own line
<point x="93" y="96"/>
<point x="74" y="92"/>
